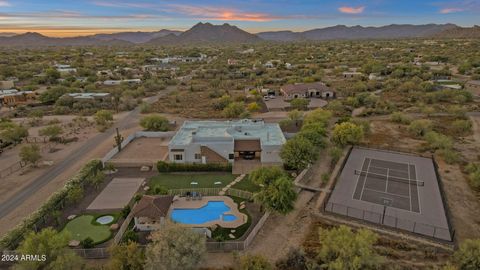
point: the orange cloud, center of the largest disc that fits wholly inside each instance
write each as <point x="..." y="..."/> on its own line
<point x="451" y="10"/>
<point x="351" y="10"/>
<point x="222" y="14"/>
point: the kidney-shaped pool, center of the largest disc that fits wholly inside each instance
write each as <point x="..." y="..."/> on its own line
<point x="212" y="211"/>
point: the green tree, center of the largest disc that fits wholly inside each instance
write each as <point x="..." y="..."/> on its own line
<point x="347" y="133"/>
<point x="53" y="94"/>
<point x="30" y="154"/>
<point x="54" y="246"/>
<point x="318" y="116"/>
<point x="266" y="175"/>
<point x="343" y="249"/>
<point x="127" y="256"/>
<point x="299" y="104"/>
<point x="155" y="123"/>
<point x="175" y="247"/>
<point x="52" y="75"/>
<point x="315" y="133"/>
<point x="467" y="257"/>
<point x="298" y="152"/>
<point x="254" y="262"/>
<point x="278" y="196"/>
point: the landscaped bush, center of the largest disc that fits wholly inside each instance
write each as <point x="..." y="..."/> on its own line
<point x="56" y="202"/>
<point x="163" y="166"/>
<point x="87" y="243"/>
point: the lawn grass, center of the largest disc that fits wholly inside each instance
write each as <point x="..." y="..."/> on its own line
<point x="83" y="227"/>
<point x="183" y="180"/>
<point x="247" y="185"/>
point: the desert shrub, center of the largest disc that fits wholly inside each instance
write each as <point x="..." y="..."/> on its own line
<point x="420" y="127"/>
<point x="461" y="126"/>
<point x="450" y="156"/>
<point x="438" y="141"/>
<point x="400" y="118"/>
<point x="473" y="170"/>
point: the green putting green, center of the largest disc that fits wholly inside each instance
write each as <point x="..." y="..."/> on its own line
<point x="81" y="228"/>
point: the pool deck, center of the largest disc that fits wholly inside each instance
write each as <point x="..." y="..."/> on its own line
<point x="181" y="202"/>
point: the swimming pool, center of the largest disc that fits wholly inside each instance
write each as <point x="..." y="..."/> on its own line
<point x="213" y="210"/>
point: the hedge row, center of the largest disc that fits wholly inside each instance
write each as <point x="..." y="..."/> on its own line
<point x="56" y="202"/>
<point x="163" y="166"/>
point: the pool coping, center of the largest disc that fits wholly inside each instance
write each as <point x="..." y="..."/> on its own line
<point x="181" y="202"/>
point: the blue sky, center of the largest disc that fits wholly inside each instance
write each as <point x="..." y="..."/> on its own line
<point x="81" y="17"/>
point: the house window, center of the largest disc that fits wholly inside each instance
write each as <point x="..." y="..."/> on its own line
<point x="177" y="157"/>
<point x="198" y="156"/>
<point x="231" y="156"/>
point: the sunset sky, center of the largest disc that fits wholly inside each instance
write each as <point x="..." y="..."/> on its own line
<point x="83" y="17"/>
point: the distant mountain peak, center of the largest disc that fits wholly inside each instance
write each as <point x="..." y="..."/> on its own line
<point x="210" y="33"/>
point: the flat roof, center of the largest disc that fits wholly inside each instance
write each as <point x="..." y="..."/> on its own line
<point x="226" y="131"/>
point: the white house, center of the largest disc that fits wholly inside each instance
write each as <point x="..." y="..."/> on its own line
<point x="227" y="142"/>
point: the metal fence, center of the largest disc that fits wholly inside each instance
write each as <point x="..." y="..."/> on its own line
<point x="92" y="253"/>
<point x="12" y="169"/>
<point x="203" y="191"/>
<point x="32" y="139"/>
<point x="429" y="230"/>
<point x="239" y="193"/>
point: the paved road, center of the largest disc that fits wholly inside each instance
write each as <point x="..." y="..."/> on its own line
<point x="127" y="122"/>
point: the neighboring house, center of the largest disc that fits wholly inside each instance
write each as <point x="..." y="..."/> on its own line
<point x="307" y="90"/>
<point x="227" y="142"/>
<point x="65" y="69"/>
<point x="13" y="97"/>
<point x="118" y="82"/>
<point x="151" y="212"/>
<point x="5" y="85"/>
<point x="83" y="96"/>
<point x="161" y="67"/>
<point x="473" y="87"/>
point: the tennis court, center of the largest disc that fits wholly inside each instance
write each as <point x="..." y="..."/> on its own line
<point x="391" y="189"/>
<point x="388" y="183"/>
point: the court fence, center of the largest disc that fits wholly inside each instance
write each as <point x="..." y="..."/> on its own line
<point x="438" y="233"/>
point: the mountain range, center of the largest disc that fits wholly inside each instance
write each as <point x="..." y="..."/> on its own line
<point x="202" y="33"/>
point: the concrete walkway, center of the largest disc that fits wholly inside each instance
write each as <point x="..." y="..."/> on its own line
<point x="238" y="179"/>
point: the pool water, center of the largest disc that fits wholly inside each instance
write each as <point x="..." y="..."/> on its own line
<point x="104" y="220"/>
<point x="212" y="211"/>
